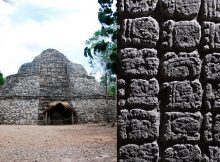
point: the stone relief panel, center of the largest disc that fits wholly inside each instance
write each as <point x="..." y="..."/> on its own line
<point x="138" y="124"/>
<point x="182" y="127"/>
<point x="182" y="95"/>
<point x="181" y="9"/>
<point x="212" y="67"/>
<point x="139" y="63"/>
<point x="212" y="97"/>
<point x="210" y="36"/>
<point x="147" y="152"/>
<point x="181" y="66"/>
<point x="140" y="7"/>
<point x="140" y="32"/>
<point x="182" y="153"/>
<point x="169" y="54"/>
<point x="143" y="93"/>
<point x="211" y="10"/>
<point x="180" y="36"/>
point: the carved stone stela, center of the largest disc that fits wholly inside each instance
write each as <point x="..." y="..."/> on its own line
<point x="169" y="81"/>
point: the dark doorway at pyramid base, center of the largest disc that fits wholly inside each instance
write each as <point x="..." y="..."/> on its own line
<point x="59" y="113"/>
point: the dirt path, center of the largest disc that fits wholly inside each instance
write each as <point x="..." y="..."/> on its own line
<point x="69" y="143"/>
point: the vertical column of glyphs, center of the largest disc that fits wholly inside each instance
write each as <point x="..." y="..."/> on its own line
<point x="169" y="81"/>
<point x="181" y="91"/>
<point x="138" y="116"/>
<point x="211" y="78"/>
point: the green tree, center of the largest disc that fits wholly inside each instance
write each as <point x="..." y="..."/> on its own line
<point x="101" y="48"/>
<point x="2" y="79"/>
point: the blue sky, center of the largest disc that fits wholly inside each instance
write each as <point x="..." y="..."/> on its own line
<point x="30" y="26"/>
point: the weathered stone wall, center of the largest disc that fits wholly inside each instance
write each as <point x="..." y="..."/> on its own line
<point x="169" y="80"/>
<point x="85" y="86"/>
<point x="17" y="85"/>
<point x="19" y="111"/>
<point x="94" y="110"/>
<point x="51" y="77"/>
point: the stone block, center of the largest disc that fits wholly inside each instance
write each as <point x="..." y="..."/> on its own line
<point x="181" y="9"/>
<point x="211" y="10"/>
<point x="139" y="63"/>
<point x="182" y="153"/>
<point x="134" y="153"/>
<point x="181" y="36"/>
<point x="181" y="66"/>
<point x="211" y="36"/>
<point x="140" y="32"/>
<point x="212" y="67"/>
<point x="182" y="95"/>
<point x="182" y="127"/>
<point x="212" y="128"/>
<point x="212" y="97"/>
<point x="214" y="154"/>
<point x="137" y="124"/>
<point x="134" y="7"/>
<point x="121" y="88"/>
<point x="143" y="93"/>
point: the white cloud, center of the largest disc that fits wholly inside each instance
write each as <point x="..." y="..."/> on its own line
<point x="65" y="29"/>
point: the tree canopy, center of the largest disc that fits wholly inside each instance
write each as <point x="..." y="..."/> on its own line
<point x="2" y="79"/>
<point x="101" y="48"/>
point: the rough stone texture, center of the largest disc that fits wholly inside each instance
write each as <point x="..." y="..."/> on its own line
<point x="143" y="93"/>
<point x="51" y="77"/>
<point x="182" y="95"/>
<point x="138" y="124"/>
<point x="214" y="154"/>
<point x="140" y="32"/>
<point x="211" y="10"/>
<point x="212" y="97"/>
<point x="212" y="67"/>
<point x="147" y="152"/>
<point x="182" y="9"/>
<point x="210" y="36"/>
<point x="181" y="66"/>
<point x="121" y="98"/>
<point x="212" y="128"/>
<point x="186" y="90"/>
<point x="181" y="36"/>
<point x="182" y="153"/>
<point x="134" y="7"/>
<point x="18" y="85"/>
<point x="94" y="110"/>
<point x="182" y="127"/>
<point x="139" y="63"/>
<point x="19" y="111"/>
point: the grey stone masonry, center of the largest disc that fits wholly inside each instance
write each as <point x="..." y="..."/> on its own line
<point x="168" y="85"/>
<point x="51" y="77"/>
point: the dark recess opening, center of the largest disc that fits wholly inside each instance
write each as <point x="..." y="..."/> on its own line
<point x="59" y="114"/>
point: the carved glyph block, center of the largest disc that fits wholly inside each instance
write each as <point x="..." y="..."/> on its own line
<point x="212" y="128"/>
<point x="182" y="153"/>
<point x="180" y="8"/>
<point x="181" y="36"/>
<point x="182" y="127"/>
<point x="211" y="10"/>
<point x="143" y="93"/>
<point x="139" y="63"/>
<point x="214" y="154"/>
<point x="211" y="36"/>
<point x="212" y="67"/>
<point x="140" y="32"/>
<point x="137" y="7"/>
<point x="138" y="124"/>
<point x="181" y="66"/>
<point x="131" y="153"/>
<point x="182" y="95"/>
<point x="212" y="97"/>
